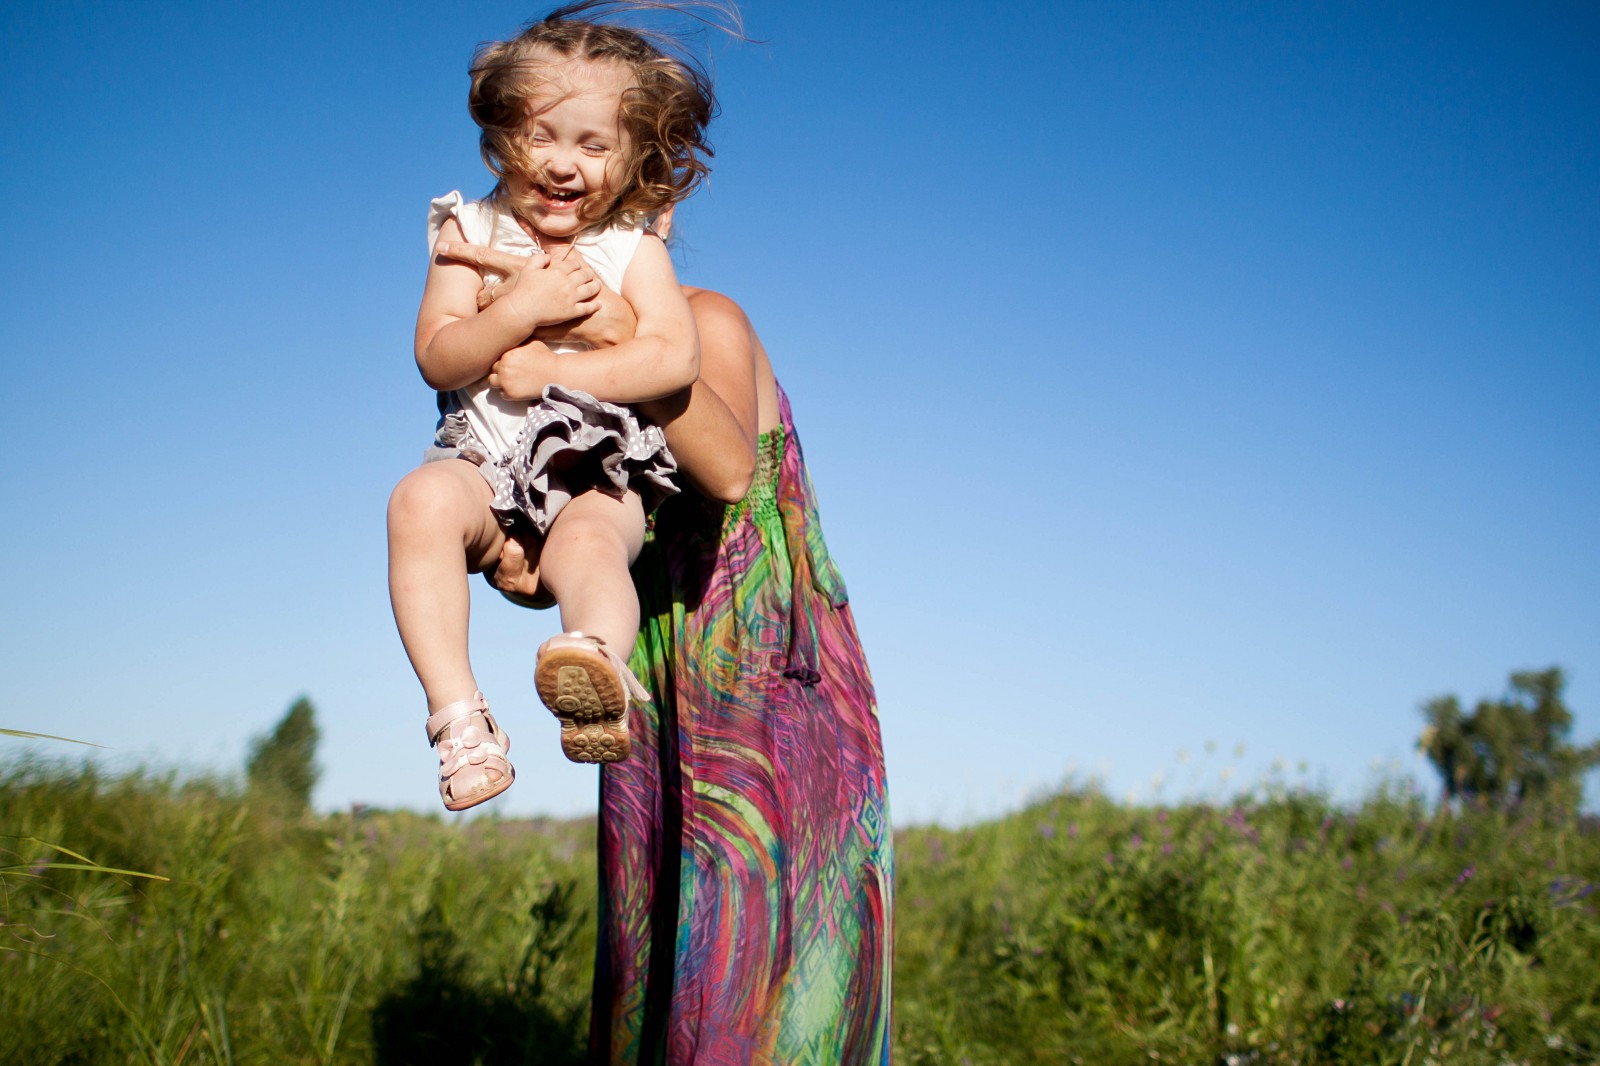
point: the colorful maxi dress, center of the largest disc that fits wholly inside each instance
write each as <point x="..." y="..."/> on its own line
<point x="746" y="866"/>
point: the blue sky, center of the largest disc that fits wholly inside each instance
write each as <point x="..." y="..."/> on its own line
<point x="1189" y="387"/>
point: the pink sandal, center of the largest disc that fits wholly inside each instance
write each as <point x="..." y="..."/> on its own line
<point x="467" y="757"/>
<point x="588" y="688"/>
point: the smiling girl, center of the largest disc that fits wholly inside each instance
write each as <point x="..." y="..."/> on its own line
<point x="589" y="129"/>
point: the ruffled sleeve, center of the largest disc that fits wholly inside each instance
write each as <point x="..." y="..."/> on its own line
<point x="480" y="224"/>
<point x="441" y="208"/>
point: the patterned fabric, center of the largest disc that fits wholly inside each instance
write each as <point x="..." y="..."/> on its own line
<point x="746" y="865"/>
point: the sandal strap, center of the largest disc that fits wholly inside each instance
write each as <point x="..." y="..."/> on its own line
<point x="451" y="713"/>
<point x="634" y="686"/>
<point x="477" y="751"/>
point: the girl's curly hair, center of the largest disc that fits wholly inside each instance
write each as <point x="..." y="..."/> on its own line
<point x="664" y="112"/>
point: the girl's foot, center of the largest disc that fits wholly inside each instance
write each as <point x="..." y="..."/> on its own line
<point x="472" y="760"/>
<point x="588" y="688"/>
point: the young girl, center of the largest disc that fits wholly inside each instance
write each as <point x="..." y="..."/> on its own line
<point x="589" y="128"/>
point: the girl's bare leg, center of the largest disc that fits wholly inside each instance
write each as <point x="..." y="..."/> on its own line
<point x="440" y="529"/>
<point x="585" y="563"/>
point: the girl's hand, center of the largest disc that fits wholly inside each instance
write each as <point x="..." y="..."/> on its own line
<point x="524" y="371"/>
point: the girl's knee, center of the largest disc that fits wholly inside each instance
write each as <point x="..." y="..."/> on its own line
<point x="429" y="497"/>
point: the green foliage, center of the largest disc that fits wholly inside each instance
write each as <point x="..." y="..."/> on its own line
<point x="1272" y="930"/>
<point x="356" y="937"/>
<point x="283" y="763"/>
<point x="1278" y="929"/>
<point x="1510" y="750"/>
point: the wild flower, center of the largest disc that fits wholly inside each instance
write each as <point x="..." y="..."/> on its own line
<point x="1567" y="891"/>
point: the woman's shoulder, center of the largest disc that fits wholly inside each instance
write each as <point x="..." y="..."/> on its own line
<point x="713" y="305"/>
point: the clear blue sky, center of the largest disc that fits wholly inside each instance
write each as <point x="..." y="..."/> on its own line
<point x="1170" y="373"/>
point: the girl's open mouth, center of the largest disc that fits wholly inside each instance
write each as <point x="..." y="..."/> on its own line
<point x="558" y="197"/>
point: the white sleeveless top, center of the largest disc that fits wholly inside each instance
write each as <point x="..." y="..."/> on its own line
<point x="495" y="420"/>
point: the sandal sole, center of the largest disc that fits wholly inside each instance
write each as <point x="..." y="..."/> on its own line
<point x="482" y="797"/>
<point x="582" y="690"/>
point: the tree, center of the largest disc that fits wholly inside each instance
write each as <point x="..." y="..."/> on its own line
<point x="1509" y="750"/>
<point x="283" y="763"/>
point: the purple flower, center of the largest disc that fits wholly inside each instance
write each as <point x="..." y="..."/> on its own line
<point x="1466" y="873"/>
<point x="1567" y="891"/>
<point x="1048" y="830"/>
<point x="1136" y="841"/>
<point x="1072" y="830"/>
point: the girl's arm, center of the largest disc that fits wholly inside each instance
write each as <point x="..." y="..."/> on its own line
<point x="457" y="344"/>
<point x="712" y="425"/>
<point x="662" y="358"/>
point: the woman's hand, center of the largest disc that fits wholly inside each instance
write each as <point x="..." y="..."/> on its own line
<point x="516" y="576"/>
<point x="539" y="289"/>
<point x="611" y="322"/>
<point x="524" y="371"/>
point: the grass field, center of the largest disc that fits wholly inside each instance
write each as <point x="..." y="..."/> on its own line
<point x="1276" y="928"/>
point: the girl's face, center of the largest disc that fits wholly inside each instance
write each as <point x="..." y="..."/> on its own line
<point x="575" y="140"/>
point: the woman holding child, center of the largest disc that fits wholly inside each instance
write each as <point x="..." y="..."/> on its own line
<point x="746" y="863"/>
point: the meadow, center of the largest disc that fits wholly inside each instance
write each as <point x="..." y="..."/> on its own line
<point x="1272" y="928"/>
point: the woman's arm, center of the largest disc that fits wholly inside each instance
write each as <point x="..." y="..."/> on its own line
<point x="456" y="344"/>
<point x="712" y="425"/>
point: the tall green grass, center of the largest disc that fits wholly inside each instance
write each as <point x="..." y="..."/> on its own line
<point x="1278" y="928"/>
<point x="351" y="938"/>
<point x="1275" y="929"/>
